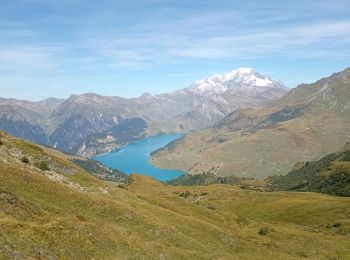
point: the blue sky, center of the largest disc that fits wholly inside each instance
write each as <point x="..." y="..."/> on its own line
<point x="124" y="48"/>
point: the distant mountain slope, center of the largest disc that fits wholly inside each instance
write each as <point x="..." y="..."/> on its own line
<point x="88" y="124"/>
<point x="330" y="175"/>
<point x="24" y="119"/>
<point x="52" y="209"/>
<point x="24" y="129"/>
<point x="307" y="123"/>
<point x="51" y="102"/>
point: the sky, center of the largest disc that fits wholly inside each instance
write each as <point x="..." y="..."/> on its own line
<point x="125" y="48"/>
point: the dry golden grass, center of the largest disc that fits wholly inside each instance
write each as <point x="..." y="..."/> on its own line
<point x="48" y="219"/>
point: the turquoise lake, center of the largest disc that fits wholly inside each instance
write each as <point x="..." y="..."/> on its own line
<point x="134" y="158"/>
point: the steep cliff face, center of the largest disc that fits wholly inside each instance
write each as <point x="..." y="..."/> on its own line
<point x="71" y="133"/>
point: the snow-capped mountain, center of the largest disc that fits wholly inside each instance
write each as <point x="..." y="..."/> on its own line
<point x="208" y="100"/>
<point x="242" y="80"/>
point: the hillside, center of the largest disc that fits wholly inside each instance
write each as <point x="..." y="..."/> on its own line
<point x="55" y="210"/>
<point x="309" y="122"/>
<point x="330" y="175"/>
<point x="91" y="124"/>
<point x="98" y="170"/>
<point x="203" y="179"/>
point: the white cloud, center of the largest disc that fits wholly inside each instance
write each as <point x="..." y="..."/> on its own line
<point x="322" y="39"/>
<point x="20" y="58"/>
<point x="178" y="37"/>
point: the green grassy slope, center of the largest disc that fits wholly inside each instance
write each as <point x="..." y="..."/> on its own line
<point x="98" y="170"/>
<point x="204" y="179"/>
<point x="65" y="213"/>
<point x="330" y="175"/>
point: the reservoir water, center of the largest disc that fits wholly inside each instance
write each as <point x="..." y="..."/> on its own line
<point x="134" y="158"/>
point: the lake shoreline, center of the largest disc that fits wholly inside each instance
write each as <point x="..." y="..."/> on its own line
<point x="135" y="157"/>
<point x="118" y="148"/>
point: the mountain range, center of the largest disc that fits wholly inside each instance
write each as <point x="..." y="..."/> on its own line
<point x="91" y="124"/>
<point x="307" y="123"/>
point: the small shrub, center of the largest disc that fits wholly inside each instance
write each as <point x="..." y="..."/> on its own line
<point x="1" y="142"/>
<point x="43" y="165"/>
<point x="81" y="218"/>
<point x="25" y="160"/>
<point x="244" y="186"/>
<point x="211" y="207"/>
<point x="204" y="193"/>
<point x="263" y="231"/>
<point x="221" y="140"/>
<point x="242" y="221"/>
<point x="185" y="194"/>
<point x="8" y="197"/>
<point x="336" y="225"/>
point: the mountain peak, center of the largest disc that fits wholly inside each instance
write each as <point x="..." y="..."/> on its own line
<point x="86" y="98"/>
<point x="146" y="95"/>
<point x="242" y="79"/>
<point x="244" y="70"/>
<point x="232" y="74"/>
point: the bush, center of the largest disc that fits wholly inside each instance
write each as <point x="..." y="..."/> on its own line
<point x="336" y="225"/>
<point x="242" y="221"/>
<point x="1" y="142"/>
<point x="185" y="194"/>
<point x="25" y="160"/>
<point x="263" y="231"/>
<point x="211" y="207"/>
<point x="43" y="165"/>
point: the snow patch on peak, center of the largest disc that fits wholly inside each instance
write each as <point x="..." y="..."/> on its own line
<point x="240" y="80"/>
<point x="246" y="70"/>
<point x="232" y="74"/>
<point x="263" y="82"/>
